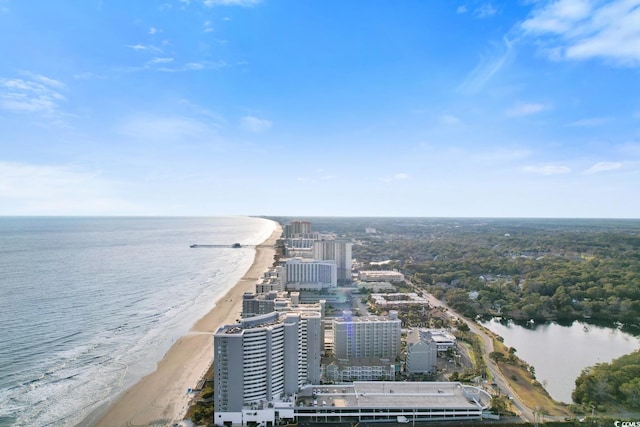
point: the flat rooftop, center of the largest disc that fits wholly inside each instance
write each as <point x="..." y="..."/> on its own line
<point x="386" y="394"/>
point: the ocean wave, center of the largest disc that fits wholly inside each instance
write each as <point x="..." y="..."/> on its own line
<point x="90" y="320"/>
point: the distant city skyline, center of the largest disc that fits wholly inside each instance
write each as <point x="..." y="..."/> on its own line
<point x="475" y="108"/>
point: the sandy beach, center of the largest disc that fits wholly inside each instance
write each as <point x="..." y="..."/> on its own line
<point x="161" y="397"/>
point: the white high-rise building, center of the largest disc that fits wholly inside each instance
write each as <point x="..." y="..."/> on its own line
<point x="299" y="273"/>
<point x="338" y="251"/>
<point x="265" y="357"/>
<point x="371" y="336"/>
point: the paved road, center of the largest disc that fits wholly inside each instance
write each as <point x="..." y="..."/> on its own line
<point x="525" y="413"/>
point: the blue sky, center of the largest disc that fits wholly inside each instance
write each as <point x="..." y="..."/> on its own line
<point x="286" y="107"/>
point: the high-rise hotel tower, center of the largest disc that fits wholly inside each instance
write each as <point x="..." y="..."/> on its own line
<point x="338" y="251"/>
<point x="265" y="357"/>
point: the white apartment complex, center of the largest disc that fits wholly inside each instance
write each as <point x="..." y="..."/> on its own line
<point x="370" y="336"/>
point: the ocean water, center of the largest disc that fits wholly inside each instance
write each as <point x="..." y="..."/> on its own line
<point x="89" y="305"/>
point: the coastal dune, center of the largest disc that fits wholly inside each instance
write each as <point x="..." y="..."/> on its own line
<point x="161" y="397"/>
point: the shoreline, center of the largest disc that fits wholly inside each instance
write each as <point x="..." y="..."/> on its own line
<point x="161" y="397"/>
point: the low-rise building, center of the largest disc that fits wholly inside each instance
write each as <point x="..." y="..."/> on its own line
<point x="398" y="299"/>
<point x="381" y="276"/>
<point x="358" y="369"/>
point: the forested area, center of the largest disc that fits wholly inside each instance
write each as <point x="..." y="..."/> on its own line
<point x="537" y="273"/>
<point x="618" y="382"/>
<point x="541" y="269"/>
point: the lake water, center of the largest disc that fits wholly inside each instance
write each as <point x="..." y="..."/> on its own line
<point x="89" y="305"/>
<point x="559" y="353"/>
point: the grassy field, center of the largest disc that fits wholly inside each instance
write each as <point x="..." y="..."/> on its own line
<point x="530" y="391"/>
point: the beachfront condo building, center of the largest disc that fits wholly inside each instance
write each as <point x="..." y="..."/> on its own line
<point x="297" y="229"/>
<point x="370" y="336"/>
<point x="338" y="251"/>
<point x="299" y="273"/>
<point x="265" y="357"/>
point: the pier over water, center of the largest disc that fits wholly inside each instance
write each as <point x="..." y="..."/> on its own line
<point x="235" y="246"/>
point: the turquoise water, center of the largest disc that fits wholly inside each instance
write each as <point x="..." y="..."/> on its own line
<point x="89" y="305"/>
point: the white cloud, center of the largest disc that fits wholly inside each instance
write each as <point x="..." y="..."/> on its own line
<point x="194" y="66"/>
<point x="558" y="16"/>
<point x="485" y="10"/>
<point x="462" y="9"/>
<point x="487" y="68"/>
<point x="397" y="177"/>
<point x="526" y="109"/>
<point x="137" y="47"/>
<point x="584" y="29"/>
<point x="161" y="60"/>
<point x="141" y="48"/>
<point x="28" y="189"/>
<point x="86" y="75"/>
<point x="243" y="3"/>
<point x="603" y="167"/>
<point x="189" y="66"/>
<point x="46" y="80"/>
<point x="448" y="119"/>
<point x="40" y="95"/>
<point x="158" y="128"/>
<point x="546" y="169"/>
<point x="254" y="124"/>
<point x="591" y="122"/>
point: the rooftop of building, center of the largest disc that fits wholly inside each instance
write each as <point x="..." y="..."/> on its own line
<point x="386" y="394"/>
<point x="348" y="317"/>
<point x="398" y="299"/>
<point x="264" y="320"/>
